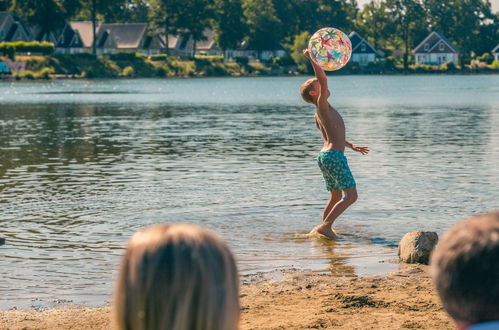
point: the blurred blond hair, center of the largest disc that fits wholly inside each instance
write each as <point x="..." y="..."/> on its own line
<point x="465" y="269"/>
<point x="177" y="277"/>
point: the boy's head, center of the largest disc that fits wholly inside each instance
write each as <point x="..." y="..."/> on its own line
<point x="310" y="90"/>
<point x="465" y="269"/>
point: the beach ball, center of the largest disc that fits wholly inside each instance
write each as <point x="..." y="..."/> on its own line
<point x="331" y="48"/>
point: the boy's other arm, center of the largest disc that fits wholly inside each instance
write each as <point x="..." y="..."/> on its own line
<point x="362" y="150"/>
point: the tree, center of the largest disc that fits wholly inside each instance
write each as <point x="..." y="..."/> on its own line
<point x="375" y="24"/>
<point x="299" y="44"/>
<point x="193" y="18"/>
<point x="409" y="18"/>
<point x="465" y="22"/>
<point x="47" y="14"/>
<point x="5" y="5"/>
<point x="264" y="28"/>
<point x="228" y="23"/>
<point x="165" y="15"/>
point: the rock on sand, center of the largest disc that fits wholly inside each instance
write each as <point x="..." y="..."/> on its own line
<point x="415" y="247"/>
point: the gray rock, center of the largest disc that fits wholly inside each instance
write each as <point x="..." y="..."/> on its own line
<point x="415" y="247"/>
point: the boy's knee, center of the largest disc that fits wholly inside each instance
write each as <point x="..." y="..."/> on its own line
<point x="351" y="197"/>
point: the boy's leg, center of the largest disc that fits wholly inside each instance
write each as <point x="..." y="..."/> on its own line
<point x="337" y="209"/>
<point x="335" y="197"/>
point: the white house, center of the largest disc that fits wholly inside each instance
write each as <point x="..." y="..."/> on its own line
<point x="495" y="53"/>
<point x="362" y="51"/>
<point x="436" y="49"/>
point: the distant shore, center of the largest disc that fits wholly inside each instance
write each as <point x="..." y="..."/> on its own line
<point x="135" y="65"/>
<point x="404" y="299"/>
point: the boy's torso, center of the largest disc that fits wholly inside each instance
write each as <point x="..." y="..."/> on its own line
<point x="333" y="130"/>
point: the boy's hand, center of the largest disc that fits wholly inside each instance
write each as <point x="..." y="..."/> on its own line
<point x="306" y="52"/>
<point x="362" y="150"/>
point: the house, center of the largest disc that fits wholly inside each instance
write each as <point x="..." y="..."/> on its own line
<point x="13" y="28"/>
<point x="208" y="46"/>
<point x="77" y="37"/>
<point x="362" y="51"/>
<point x="495" y="53"/>
<point x="183" y="45"/>
<point x="247" y="50"/>
<point x="436" y="49"/>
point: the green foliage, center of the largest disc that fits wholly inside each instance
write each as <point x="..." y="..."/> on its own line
<point x="128" y="72"/>
<point x="486" y="57"/>
<point x="449" y="66"/>
<point x="212" y="58"/>
<point x="494" y="65"/>
<point x="34" y="47"/>
<point x="283" y="61"/>
<point x="264" y="27"/>
<point x="159" y="57"/>
<point x="242" y="61"/>
<point x="229" y="23"/>
<point x="9" y="51"/>
<point x="299" y="44"/>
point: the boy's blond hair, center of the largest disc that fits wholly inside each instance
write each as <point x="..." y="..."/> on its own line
<point x="465" y="269"/>
<point x="306" y="88"/>
<point x="177" y="277"/>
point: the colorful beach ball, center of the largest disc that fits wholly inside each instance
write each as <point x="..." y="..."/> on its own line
<point x="331" y="48"/>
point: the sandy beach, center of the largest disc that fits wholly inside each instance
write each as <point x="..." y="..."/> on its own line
<point x="301" y="300"/>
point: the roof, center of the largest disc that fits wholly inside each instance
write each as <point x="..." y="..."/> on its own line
<point x="209" y="43"/>
<point x="128" y="35"/>
<point x="357" y="41"/>
<point x="84" y="29"/>
<point x="433" y="39"/>
<point x="4" y="16"/>
<point x="496" y="49"/>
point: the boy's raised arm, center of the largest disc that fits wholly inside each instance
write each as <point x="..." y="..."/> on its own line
<point x="319" y="74"/>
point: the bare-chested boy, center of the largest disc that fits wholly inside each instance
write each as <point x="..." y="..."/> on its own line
<point x="332" y="161"/>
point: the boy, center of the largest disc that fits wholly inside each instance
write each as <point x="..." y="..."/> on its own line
<point x="331" y="159"/>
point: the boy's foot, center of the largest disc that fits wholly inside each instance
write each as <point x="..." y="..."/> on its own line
<point x="326" y="231"/>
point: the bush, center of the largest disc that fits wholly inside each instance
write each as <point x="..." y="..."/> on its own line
<point x="44" y="48"/>
<point x="212" y="58"/>
<point x="124" y="56"/>
<point x="128" y="72"/>
<point x="242" y="60"/>
<point x="494" y="65"/>
<point x="486" y="57"/>
<point x="283" y="61"/>
<point x="44" y="73"/>
<point x="299" y="44"/>
<point x="449" y="66"/>
<point x="9" y="51"/>
<point x="159" y="57"/>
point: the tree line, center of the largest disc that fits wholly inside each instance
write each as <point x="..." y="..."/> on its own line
<point x="386" y="24"/>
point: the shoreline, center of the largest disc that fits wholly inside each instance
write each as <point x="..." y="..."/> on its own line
<point x="301" y="299"/>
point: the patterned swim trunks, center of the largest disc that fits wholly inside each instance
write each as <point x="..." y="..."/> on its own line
<point x="334" y="167"/>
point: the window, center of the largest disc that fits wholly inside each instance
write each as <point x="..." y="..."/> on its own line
<point x="363" y="47"/>
<point x="426" y="47"/>
<point x="441" y="46"/>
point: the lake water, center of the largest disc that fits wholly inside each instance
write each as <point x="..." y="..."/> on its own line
<point x="84" y="164"/>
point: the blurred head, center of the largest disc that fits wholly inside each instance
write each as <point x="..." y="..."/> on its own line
<point x="310" y="90"/>
<point x="465" y="270"/>
<point x="177" y="277"/>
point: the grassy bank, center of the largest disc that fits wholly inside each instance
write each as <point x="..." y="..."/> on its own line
<point x="136" y="65"/>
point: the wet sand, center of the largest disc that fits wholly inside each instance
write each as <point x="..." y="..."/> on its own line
<point x="301" y="300"/>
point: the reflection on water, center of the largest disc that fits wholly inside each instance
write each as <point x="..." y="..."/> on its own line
<point x="85" y="164"/>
